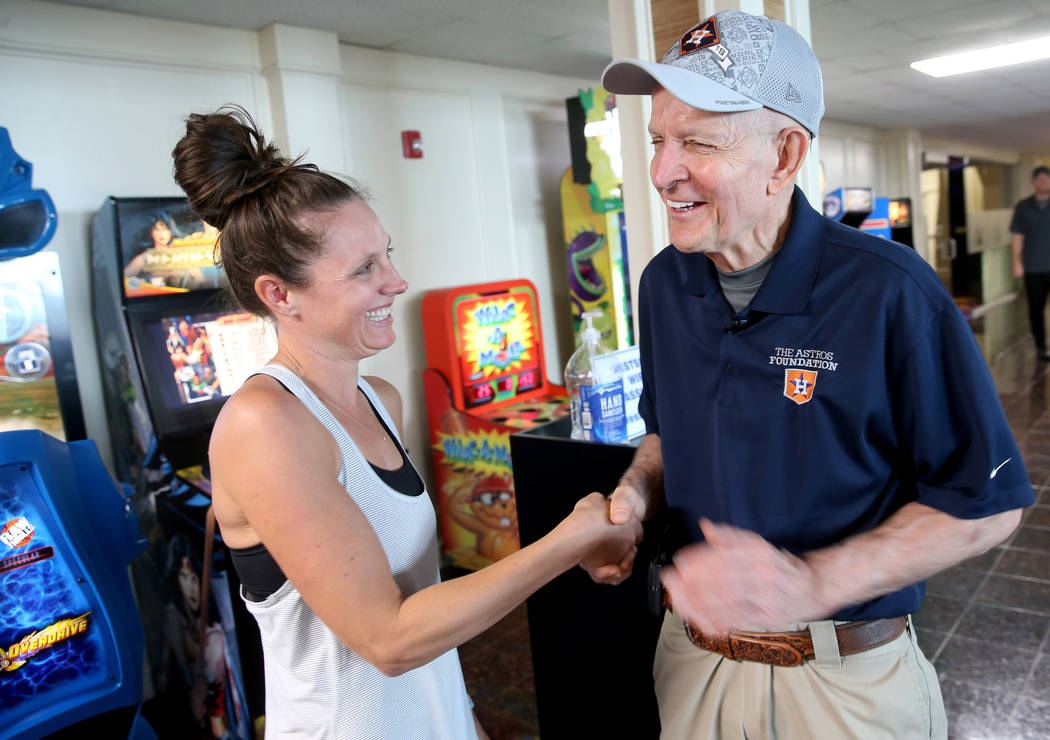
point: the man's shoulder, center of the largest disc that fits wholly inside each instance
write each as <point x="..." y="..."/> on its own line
<point x="1024" y="203"/>
<point x="874" y="258"/>
<point x="668" y="261"/>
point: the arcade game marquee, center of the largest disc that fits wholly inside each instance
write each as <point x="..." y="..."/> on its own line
<point x="172" y="349"/>
<point x="484" y="381"/>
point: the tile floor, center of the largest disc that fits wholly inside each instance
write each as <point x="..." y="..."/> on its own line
<point x="985" y="623"/>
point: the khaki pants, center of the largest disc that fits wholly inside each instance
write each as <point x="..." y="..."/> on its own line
<point x="887" y="692"/>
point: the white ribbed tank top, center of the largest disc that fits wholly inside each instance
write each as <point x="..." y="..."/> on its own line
<point x="316" y="687"/>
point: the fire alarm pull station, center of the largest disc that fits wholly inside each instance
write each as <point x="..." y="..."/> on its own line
<point x="411" y="144"/>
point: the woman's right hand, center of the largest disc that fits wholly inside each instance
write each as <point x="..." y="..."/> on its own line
<point x="604" y="543"/>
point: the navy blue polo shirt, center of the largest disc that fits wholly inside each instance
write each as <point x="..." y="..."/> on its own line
<point x="850" y="386"/>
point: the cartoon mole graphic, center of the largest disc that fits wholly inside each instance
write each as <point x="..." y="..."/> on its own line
<point x="493" y="515"/>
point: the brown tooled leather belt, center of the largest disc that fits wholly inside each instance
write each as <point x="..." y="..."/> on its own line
<point x="794" y="648"/>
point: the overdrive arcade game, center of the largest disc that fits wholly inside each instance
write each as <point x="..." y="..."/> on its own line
<point x="71" y="643"/>
<point x="484" y="381"/>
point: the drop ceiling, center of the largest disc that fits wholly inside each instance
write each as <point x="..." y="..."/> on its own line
<point x="864" y="47"/>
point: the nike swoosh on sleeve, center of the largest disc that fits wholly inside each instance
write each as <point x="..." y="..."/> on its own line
<point x="997" y="467"/>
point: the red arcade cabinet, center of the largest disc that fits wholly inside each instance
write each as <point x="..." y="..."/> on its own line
<point x="484" y="381"/>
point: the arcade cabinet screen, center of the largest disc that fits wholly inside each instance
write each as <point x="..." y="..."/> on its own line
<point x="496" y="340"/>
<point x="900" y="213"/>
<point x="29" y="397"/>
<point x="165" y="249"/>
<point x="191" y="362"/>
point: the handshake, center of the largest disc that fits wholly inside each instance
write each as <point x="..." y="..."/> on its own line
<point x="616" y="525"/>
<point x="733" y="579"/>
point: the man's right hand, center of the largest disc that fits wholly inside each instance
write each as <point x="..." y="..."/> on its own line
<point x="625" y="506"/>
<point x="1018" y="270"/>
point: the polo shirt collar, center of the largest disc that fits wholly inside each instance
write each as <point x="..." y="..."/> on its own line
<point x="789" y="283"/>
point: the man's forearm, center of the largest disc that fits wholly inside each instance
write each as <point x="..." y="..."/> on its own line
<point x="646" y="474"/>
<point x="1017" y="247"/>
<point x="910" y="546"/>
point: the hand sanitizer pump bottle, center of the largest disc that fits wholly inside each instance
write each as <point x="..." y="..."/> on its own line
<point x="580" y="377"/>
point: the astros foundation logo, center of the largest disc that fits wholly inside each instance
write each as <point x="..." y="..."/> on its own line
<point x="799" y="384"/>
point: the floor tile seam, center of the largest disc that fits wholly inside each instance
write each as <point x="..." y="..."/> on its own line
<point x="1011" y="608"/>
<point x="991" y="685"/>
<point x="1034" y="612"/>
<point x="979" y="687"/>
<point x="1045" y="644"/>
<point x="1042" y="611"/>
<point x="967" y="608"/>
<point x="1018" y="697"/>
<point x="1029" y="579"/>
<point x="972" y="600"/>
<point x="1024" y="687"/>
<point x="978" y="590"/>
<point x="1034" y="652"/>
<point x="1020" y="549"/>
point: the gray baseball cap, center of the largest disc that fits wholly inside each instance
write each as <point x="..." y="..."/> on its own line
<point x="732" y="61"/>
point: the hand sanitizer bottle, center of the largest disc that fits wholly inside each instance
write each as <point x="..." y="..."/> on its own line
<point x="580" y="377"/>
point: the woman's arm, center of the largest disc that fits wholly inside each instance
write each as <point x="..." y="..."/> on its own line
<point x="277" y="467"/>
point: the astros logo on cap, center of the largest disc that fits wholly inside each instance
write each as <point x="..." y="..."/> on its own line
<point x="799" y="384"/>
<point x="699" y="37"/>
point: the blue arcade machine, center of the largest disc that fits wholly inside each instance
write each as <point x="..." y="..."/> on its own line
<point x="71" y="641"/>
<point x="849" y="206"/>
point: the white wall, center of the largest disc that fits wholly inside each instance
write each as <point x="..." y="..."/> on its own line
<point x="95" y="100"/>
<point x="483" y="202"/>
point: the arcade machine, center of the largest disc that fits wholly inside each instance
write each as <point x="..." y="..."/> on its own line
<point x="877" y="222"/>
<point x="71" y="642"/>
<point x="484" y="380"/>
<point x="592" y="213"/>
<point x="849" y="206"/>
<point x="900" y="222"/>
<point x="885" y="217"/>
<point x="38" y="384"/>
<point x="172" y="350"/>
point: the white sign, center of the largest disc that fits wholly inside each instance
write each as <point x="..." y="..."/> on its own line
<point x="626" y="364"/>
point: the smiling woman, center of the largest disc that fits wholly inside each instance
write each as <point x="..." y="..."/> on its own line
<point x="326" y="517"/>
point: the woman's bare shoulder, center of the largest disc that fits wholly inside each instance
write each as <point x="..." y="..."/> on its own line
<point x="264" y="422"/>
<point x="388" y="394"/>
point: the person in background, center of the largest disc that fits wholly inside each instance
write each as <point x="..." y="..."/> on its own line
<point x="1030" y="243"/>
<point x="821" y="426"/>
<point x="330" y="526"/>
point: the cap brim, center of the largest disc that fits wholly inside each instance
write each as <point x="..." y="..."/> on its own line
<point x="635" y="77"/>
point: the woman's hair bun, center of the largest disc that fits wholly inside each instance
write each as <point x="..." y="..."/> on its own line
<point x="223" y="158"/>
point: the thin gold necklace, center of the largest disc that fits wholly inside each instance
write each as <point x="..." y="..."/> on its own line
<point x="349" y="416"/>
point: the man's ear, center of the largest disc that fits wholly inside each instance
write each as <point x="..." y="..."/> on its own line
<point x="274" y="294"/>
<point x="792" y="145"/>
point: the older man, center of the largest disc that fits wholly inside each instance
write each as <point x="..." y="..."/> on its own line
<point x="821" y="425"/>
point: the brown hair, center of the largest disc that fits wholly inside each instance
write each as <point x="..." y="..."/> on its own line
<point x="242" y="185"/>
